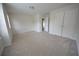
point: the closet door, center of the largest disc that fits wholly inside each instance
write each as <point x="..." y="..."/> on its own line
<point x="69" y="23"/>
<point x="57" y="29"/>
<point x="56" y="23"/>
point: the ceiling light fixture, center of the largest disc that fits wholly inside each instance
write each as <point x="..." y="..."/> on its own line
<point x="31" y="7"/>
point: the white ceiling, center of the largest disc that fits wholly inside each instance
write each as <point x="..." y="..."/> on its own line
<point x="39" y="8"/>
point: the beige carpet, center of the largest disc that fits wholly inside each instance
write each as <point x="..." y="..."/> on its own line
<point x="40" y="44"/>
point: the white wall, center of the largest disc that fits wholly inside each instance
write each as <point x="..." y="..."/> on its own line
<point x="8" y="26"/>
<point x="21" y="23"/>
<point x="24" y="23"/>
<point x="38" y="23"/>
<point x="3" y="27"/>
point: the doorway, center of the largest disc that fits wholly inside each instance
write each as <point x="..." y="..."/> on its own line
<point x="43" y="24"/>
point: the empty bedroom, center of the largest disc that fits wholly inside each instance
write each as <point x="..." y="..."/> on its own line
<point x="39" y="29"/>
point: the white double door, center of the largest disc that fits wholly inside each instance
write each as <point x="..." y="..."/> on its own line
<point x="56" y="23"/>
<point x="63" y="23"/>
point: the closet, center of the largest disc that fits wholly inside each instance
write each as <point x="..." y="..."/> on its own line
<point x="63" y="22"/>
